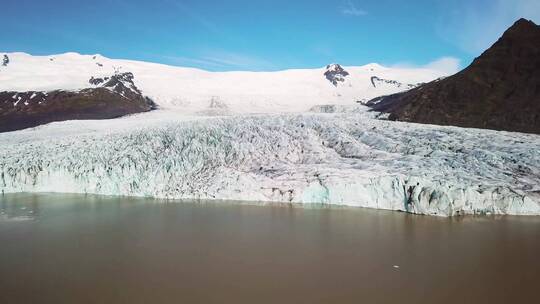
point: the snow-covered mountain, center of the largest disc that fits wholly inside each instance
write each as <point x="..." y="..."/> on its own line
<point x="194" y="91"/>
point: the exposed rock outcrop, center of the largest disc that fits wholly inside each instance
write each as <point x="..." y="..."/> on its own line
<point x="5" y="60"/>
<point x="335" y="74"/>
<point x="376" y="81"/>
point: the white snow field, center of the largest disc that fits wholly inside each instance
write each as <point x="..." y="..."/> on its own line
<point x="339" y="153"/>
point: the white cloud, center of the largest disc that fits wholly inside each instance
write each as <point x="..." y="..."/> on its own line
<point x="350" y="9"/>
<point x="475" y="25"/>
<point x="446" y="65"/>
<point x="192" y="62"/>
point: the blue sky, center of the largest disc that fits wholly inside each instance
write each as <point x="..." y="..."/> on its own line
<point x="264" y="35"/>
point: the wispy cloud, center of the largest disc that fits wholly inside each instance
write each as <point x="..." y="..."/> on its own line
<point x="446" y="65"/>
<point x="350" y="9"/>
<point x="196" y="17"/>
<point x="192" y="62"/>
<point x="474" y="26"/>
<point x="223" y="60"/>
<point x="216" y="31"/>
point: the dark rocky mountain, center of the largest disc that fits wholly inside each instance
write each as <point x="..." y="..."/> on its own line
<point x="500" y="90"/>
<point x="110" y="97"/>
<point x="335" y="73"/>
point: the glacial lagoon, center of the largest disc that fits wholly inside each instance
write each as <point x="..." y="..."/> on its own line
<point x="67" y="248"/>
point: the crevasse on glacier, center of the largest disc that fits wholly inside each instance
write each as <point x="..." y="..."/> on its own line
<point x="345" y="159"/>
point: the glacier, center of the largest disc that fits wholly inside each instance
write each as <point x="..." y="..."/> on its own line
<point x="287" y="136"/>
<point x="343" y="157"/>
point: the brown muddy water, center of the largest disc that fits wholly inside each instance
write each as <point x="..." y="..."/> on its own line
<point x="89" y="249"/>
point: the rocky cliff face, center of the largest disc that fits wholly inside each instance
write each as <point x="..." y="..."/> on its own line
<point x="500" y="90"/>
<point x="108" y="97"/>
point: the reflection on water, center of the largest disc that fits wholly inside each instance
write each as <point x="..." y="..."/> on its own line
<point x="91" y="249"/>
<point x="25" y="209"/>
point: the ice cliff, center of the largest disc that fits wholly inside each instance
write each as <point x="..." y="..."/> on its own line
<point x="343" y="158"/>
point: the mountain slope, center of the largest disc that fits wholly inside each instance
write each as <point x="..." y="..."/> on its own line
<point x="500" y="90"/>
